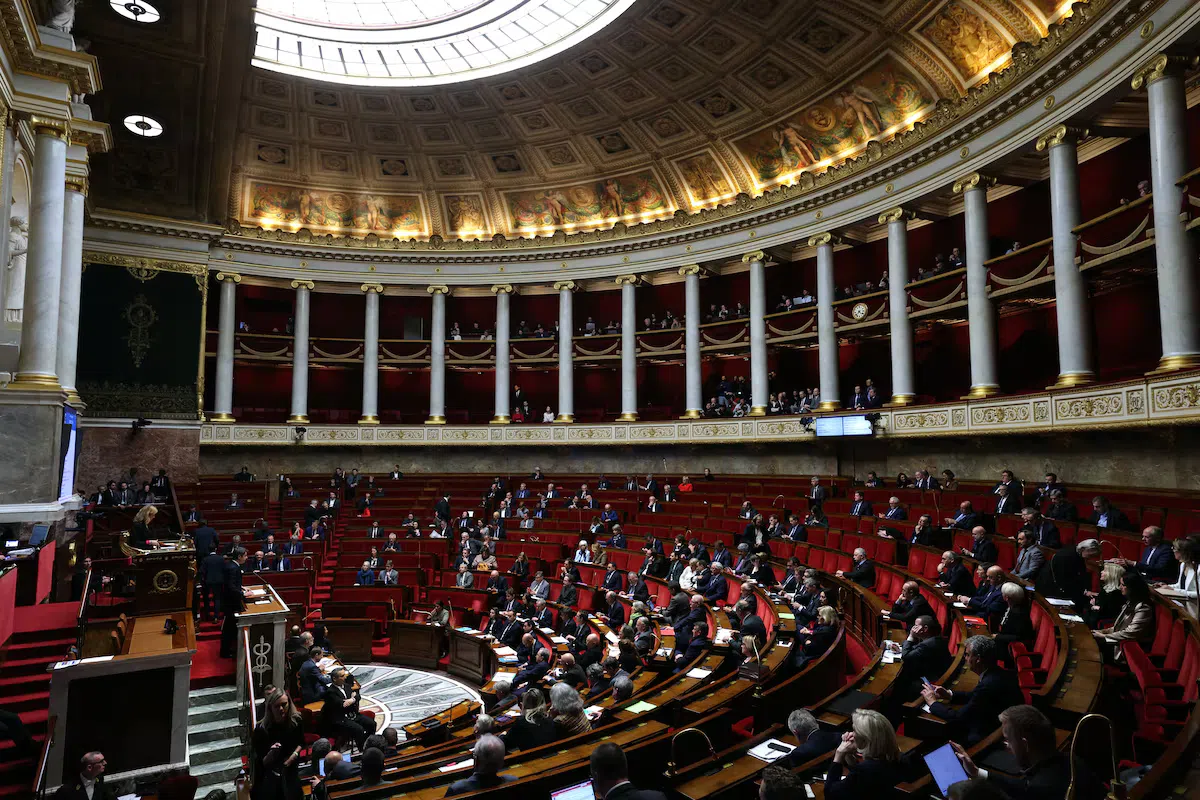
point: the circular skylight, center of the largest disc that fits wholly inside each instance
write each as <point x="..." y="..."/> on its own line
<point x="136" y="10"/>
<point x="419" y="42"/>
<point x="143" y="126"/>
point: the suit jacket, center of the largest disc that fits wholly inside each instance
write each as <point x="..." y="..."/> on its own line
<point x="988" y="599"/>
<point x="592" y="655"/>
<point x="985" y="550"/>
<point x="544" y="619"/>
<point x="531" y="674"/>
<point x="1009" y="505"/>
<point x="960" y="579"/>
<point x="753" y="625"/>
<point x="616" y="615"/>
<point x="805" y="607"/>
<point x="644" y="642"/>
<point x="796" y="533"/>
<point x="897" y="513"/>
<point x="716" y="590"/>
<point x="569" y="595"/>
<point x="1064" y="512"/>
<point x="906" y="611"/>
<point x="694" y="649"/>
<point x="1116" y="519"/>
<point x="639" y="591"/>
<point x="1066" y="576"/>
<point x="820" y="640"/>
<point x="1047" y="534"/>
<point x="627" y="791"/>
<point x="683" y="631"/>
<point x="442" y="509"/>
<point x="574" y="677"/>
<point x="1158" y="564"/>
<point x="364" y="577"/>
<point x="333" y="711"/>
<point x="312" y="682"/>
<point x="511" y="633"/>
<point x="928" y="483"/>
<point x="73" y="790"/>
<point x="499" y="583"/>
<point x="652" y="487"/>
<point x="1016" y="625"/>
<point x="231" y="584"/>
<point x="212" y="570"/>
<point x="1136" y="623"/>
<point x="861" y="508"/>
<point x="919" y="661"/>
<point x="818" y="743"/>
<point x="869" y="778"/>
<point x="205" y="539"/>
<point x="980" y="708"/>
<point x="477" y="783"/>
<point x="1015" y="489"/>
<point x="965" y="522"/>
<point x="1029" y="563"/>
<point x="862" y="573"/>
<point x="817" y="495"/>
<point x="1049" y="779"/>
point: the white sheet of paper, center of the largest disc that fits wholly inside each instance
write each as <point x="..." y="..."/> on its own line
<point x="697" y="672"/>
<point x="764" y="751"/>
<point x="1054" y="601"/>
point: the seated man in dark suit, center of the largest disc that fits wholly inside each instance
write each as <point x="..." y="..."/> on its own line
<point x="638" y="590"/>
<point x="512" y="631"/>
<point x="749" y="623"/>
<point x="1105" y="516"/>
<point x="1061" y="510"/>
<point x="1157" y="561"/>
<point x="312" y="682"/>
<point x="811" y="740"/>
<point x="340" y="712"/>
<point x="593" y="653"/>
<point x="988" y="600"/>
<point x="90" y="774"/>
<point x="532" y="673"/>
<point x="924" y="655"/>
<point x="965" y="519"/>
<point x="976" y="713"/>
<point x="543" y="615"/>
<point x="860" y="507"/>
<point x="696" y="613"/>
<point x="1045" y="532"/>
<point x="909" y="605"/>
<point x="982" y="546"/>
<point x="863" y="571"/>
<point x="1006" y="503"/>
<point x="954" y="574"/>
<point x="572" y="674"/>
<point x="569" y="594"/>
<point x="489" y="760"/>
<point x="616" y="611"/>
<point x="610" y="776"/>
<point x="1012" y="487"/>
<point x="697" y="644"/>
<point x="895" y="511"/>
<point x="807" y="601"/>
<point x="576" y="627"/>
<point x="1067" y="575"/>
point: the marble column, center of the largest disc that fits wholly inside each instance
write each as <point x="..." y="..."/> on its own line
<point x="827" y="343"/>
<point x="370" y="383"/>
<point x="299" y="415"/>
<point x="1174" y="250"/>
<point x="226" y="324"/>
<point x="1070" y="289"/>
<point x="899" y="325"/>
<point x="629" y="404"/>
<point x="503" y="353"/>
<point x="437" y="356"/>
<point x="566" y="352"/>
<point x="981" y="314"/>
<point x="693" y="388"/>
<point x="759" y="387"/>
<point x="38" y="362"/>
<point x="72" y="279"/>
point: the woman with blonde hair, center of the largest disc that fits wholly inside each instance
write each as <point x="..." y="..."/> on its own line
<point x="534" y="727"/>
<point x="599" y="556"/>
<point x="1107" y="602"/>
<point x="140" y="535"/>
<point x="275" y="746"/>
<point x="822" y="636"/>
<point x="867" y="762"/>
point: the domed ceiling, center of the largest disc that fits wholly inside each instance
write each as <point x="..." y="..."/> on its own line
<point x="672" y="106"/>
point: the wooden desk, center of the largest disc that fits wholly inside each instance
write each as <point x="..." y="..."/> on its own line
<point x="471" y="656"/>
<point x="146" y="634"/>
<point x="444" y="719"/>
<point x="351" y="637"/>
<point x="415" y="644"/>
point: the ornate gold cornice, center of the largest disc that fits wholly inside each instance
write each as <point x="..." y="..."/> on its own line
<point x="49" y="126"/>
<point x="77" y="184"/>
<point x="1060" y="134"/>
<point x="1162" y="66"/>
<point x="632" y="280"/>
<point x="377" y="288"/>
<point x="690" y="269"/>
<point x="503" y="288"/>
<point x="228" y="276"/>
<point x="439" y="289"/>
<point x="95" y="136"/>
<point x="976" y="180"/>
<point x="896" y="214"/>
<point x="18" y="37"/>
<point x="757" y="255"/>
<point x="303" y="285"/>
<point x="144" y="269"/>
<point x="570" y="286"/>
<point x="826" y="238"/>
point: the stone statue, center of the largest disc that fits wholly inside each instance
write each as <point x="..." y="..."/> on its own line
<point x="62" y="15"/>
<point x="14" y="290"/>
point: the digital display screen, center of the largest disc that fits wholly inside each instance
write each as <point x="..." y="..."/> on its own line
<point x="70" y="450"/>
<point x="844" y="426"/>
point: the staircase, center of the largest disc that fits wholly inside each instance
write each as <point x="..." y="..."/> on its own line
<point x="214" y="743"/>
<point x="25" y="690"/>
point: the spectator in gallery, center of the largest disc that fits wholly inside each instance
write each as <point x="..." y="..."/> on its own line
<point x="517" y="415"/>
<point x="548" y="415"/>
<point x="956" y="259"/>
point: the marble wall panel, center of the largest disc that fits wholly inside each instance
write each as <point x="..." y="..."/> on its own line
<point x="109" y="453"/>
<point x="29" y="442"/>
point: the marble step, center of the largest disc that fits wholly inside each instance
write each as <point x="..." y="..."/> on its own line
<point x="218" y="750"/>
<point x="225" y="709"/>
<point x="217" y="773"/>
<point x="213" y="731"/>
<point x="214" y="694"/>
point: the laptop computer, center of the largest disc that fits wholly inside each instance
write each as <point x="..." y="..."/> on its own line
<point x="580" y="791"/>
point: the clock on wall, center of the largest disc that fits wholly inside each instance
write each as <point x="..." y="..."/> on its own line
<point x="859" y="312"/>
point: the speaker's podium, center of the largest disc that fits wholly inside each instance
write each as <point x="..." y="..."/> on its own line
<point x="127" y="694"/>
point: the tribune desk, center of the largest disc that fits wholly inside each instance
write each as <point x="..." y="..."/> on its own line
<point x="260" y="637"/>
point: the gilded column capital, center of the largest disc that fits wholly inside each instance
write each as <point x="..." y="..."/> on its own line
<point x="1060" y="134"/>
<point x="438" y="289"/>
<point x="372" y="287"/>
<point x="304" y="285"/>
<point x="757" y="255"/>
<point x="228" y="276"/>
<point x="77" y="184"/>
<point x="823" y="239"/>
<point x="503" y="288"/>
<point x="569" y="286"/>
<point x="896" y="214"/>
<point x="976" y="180"/>
<point x="49" y="126"/>
<point x="632" y="280"/>
<point x="690" y="269"/>
<point x="1162" y="66"/>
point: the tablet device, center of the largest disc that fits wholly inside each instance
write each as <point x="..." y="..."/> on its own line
<point x="945" y="767"/>
<point x="580" y="791"/>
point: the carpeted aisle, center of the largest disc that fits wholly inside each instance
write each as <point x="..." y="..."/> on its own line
<point x="208" y="668"/>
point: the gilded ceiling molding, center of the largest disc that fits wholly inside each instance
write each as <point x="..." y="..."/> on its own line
<point x="27" y="54"/>
<point x="1061" y="134"/>
<point x="51" y="126"/>
<point x="570" y="286"/>
<point x="632" y="280"/>
<point x="757" y="255"/>
<point x="691" y="269"/>
<point x="896" y="214"/>
<point x="976" y="180"/>
<point x="503" y="288"/>
<point x="1161" y="66"/>
<point x="439" y="289"/>
<point x="139" y="266"/>
<point x="377" y="288"/>
<point x="825" y="238"/>
<point x="304" y="285"/>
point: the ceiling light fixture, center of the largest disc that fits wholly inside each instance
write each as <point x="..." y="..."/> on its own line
<point x="136" y="10"/>
<point x="143" y="125"/>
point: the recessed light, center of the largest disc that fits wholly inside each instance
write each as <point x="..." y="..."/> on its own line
<point x="143" y="126"/>
<point x="136" y="10"/>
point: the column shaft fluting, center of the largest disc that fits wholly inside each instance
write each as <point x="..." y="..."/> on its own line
<point x="226" y="324"/>
<point x="37" y="364"/>
<point x="899" y="325"/>
<point x="629" y="402"/>
<point x="566" y="352"/>
<point x="759" y="385"/>
<point x="503" y="354"/>
<point x="71" y="281"/>
<point x="827" y="344"/>
<point x="981" y="315"/>
<point x="693" y="389"/>
<point x="299" y="415"/>
<point x="437" y="356"/>
<point x="370" y="381"/>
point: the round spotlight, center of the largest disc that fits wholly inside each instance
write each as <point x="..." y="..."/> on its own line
<point x="136" y="10"/>
<point x="143" y="125"/>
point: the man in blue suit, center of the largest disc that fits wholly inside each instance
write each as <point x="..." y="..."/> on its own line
<point x="616" y="612"/>
<point x="965" y="519"/>
<point x="205" y="539"/>
<point x="813" y="741"/>
<point x="1157" y="561"/>
<point x="312" y="681"/>
<point x="988" y="598"/>
<point x="717" y="587"/>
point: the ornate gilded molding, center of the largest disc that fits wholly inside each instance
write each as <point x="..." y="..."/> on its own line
<point x="371" y="287"/>
<point x="896" y="214"/>
<point x="570" y="286"/>
<point x="76" y="68"/>
<point x="49" y="126"/>
<point x="228" y="276"/>
<point x="825" y="238"/>
<point x="1162" y="66"/>
<point x="141" y="266"/>
<point x="757" y="255"/>
<point x="691" y="269"/>
<point x="77" y="184"/>
<point x="503" y="288"/>
<point x="632" y="280"/>
<point x="976" y="180"/>
<point x="303" y="285"/>
<point x="1060" y="134"/>
<point x="439" y="289"/>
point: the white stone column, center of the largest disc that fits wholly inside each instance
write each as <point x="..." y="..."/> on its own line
<point x="503" y="294"/>
<point x="1070" y="289"/>
<point x="38" y="362"/>
<point x="1174" y="251"/>
<point x="72" y="278"/>
<point x="981" y="315"/>
<point x="437" y="356"/>
<point x="827" y="343"/>
<point x="899" y="325"/>
<point x="299" y="414"/>
<point x="629" y="404"/>
<point x="566" y="352"/>
<point x="226" y="325"/>
<point x="370" y="383"/>
<point x="759" y="387"/>
<point x="693" y="389"/>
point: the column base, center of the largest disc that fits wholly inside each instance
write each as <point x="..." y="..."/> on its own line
<point x="435" y="419"/>
<point x="628" y="416"/>
<point x="35" y="382"/>
<point x="368" y="419"/>
<point x="982" y="391"/>
<point x="73" y="398"/>
<point x="1069" y="380"/>
<point x="901" y="400"/>
<point x="692" y="413"/>
<point x="501" y="419"/>
<point x="829" y="405"/>
<point x="565" y="418"/>
<point x="1168" y="364"/>
<point x="758" y="411"/>
<point x="298" y="419"/>
<point x="220" y="416"/>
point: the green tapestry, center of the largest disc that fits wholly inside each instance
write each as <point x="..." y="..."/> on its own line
<point x="139" y="345"/>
